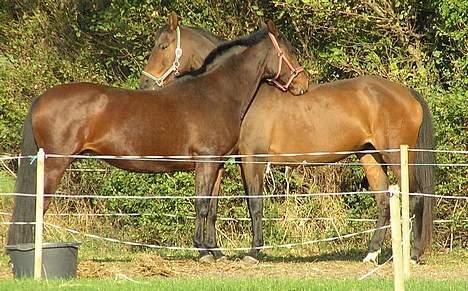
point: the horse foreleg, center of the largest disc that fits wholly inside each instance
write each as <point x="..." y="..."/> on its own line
<point x="206" y="174"/>
<point x="252" y="175"/>
<point x="210" y="240"/>
<point x="378" y="181"/>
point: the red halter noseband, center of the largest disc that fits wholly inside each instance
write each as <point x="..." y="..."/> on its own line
<point x="294" y="71"/>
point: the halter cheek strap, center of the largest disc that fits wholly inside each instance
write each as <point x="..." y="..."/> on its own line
<point x="175" y="65"/>
<point x="294" y="71"/>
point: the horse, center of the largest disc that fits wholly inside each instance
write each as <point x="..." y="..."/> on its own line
<point x="170" y="56"/>
<point x="363" y="113"/>
<point x="198" y="115"/>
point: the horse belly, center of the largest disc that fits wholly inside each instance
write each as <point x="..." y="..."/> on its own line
<point x="321" y="133"/>
<point x="153" y="166"/>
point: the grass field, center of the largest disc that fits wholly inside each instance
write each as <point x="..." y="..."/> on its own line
<point x="230" y="284"/>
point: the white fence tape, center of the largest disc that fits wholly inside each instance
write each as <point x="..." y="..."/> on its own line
<point x="290" y="245"/>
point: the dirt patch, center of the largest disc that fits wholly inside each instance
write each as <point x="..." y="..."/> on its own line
<point x="150" y="265"/>
<point x="153" y="265"/>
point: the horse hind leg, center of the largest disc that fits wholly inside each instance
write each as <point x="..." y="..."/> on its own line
<point x="378" y="181"/>
<point x="417" y="203"/>
<point x="210" y="240"/>
<point x="54" y="168"/>
<point x="25" y="205"/>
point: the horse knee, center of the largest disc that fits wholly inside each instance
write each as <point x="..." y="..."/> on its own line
<point x="212" y="216"/>
<point x="203" y="212"/>
<point x="202" y="208"/>
<point x="255" y="208"/>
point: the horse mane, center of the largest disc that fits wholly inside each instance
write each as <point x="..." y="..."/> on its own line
<point x="160" y="30"/>
<point x="206" y="34"/>
<point x="225" y="47"/>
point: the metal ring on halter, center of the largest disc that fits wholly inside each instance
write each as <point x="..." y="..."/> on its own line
<point x="175" y="65"/>
<point x="294" y="71"/>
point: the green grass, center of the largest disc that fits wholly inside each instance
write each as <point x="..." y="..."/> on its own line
<point x="7" y="185"/>
<point x="229" y="284"/>
<point x="7" y="182"/>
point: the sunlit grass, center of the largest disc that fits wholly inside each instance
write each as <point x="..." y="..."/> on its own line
<point x="7" y="182"/>
<point x="230" y="284"/>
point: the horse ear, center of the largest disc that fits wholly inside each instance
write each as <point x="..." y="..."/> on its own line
<point x="272" y="27"/>
<point x="261" y="23"/>
<point x="173" y="21"/>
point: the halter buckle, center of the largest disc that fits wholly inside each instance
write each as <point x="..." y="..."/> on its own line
<point x="178" y="53"/>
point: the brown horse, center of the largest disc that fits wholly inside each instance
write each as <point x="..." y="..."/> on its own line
<point x="171" y="56"/>
<point x="364" y="113"/>
<point x="200" y="114"/>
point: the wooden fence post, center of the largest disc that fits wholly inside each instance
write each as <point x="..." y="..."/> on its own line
<point x="39" y="215"/>
<point x="405" y="209"/>
<point x="395" y="220"/>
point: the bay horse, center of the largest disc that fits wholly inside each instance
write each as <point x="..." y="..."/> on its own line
<point x="364" y="113"/>
<point x="199" y="114"/>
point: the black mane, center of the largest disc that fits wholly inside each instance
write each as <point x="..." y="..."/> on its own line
<point x="245" y="41"/>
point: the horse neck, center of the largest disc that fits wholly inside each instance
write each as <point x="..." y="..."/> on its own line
<point x="203" y="44"/>
<point x="244" y="72"/>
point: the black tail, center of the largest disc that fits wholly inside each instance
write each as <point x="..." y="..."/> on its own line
<point x="424" y="175"/>
<point x="24" y="208"/>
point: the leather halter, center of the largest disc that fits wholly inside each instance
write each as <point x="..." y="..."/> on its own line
<point x="294" y="71"/>
<point x="175" y="65"/>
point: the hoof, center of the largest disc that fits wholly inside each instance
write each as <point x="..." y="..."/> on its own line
<point x="222" y="259"/>
<point x="417" y="261"/>
<point x="250" y="260"/>
<point x="207" y="259"/>
<point x="372" y="257"/>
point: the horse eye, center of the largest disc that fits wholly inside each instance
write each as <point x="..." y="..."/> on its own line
<point x="163" y="46"/>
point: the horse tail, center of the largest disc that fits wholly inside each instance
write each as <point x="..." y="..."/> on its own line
<point x="24" y="206"/>
<point x="424" y="174"/>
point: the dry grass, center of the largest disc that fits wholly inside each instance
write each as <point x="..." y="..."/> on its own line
<point x="440" y="266"/>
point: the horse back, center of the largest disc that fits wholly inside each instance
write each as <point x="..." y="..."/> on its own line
<point x="336" y="116"/>
<point x="79" y="117"/>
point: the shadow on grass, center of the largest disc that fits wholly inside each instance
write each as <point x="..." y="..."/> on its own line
<point x="353" y="255"/>
<point x="111" y="260"/>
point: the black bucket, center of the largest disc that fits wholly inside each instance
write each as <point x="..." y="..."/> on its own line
<point x="59" y="260"/>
